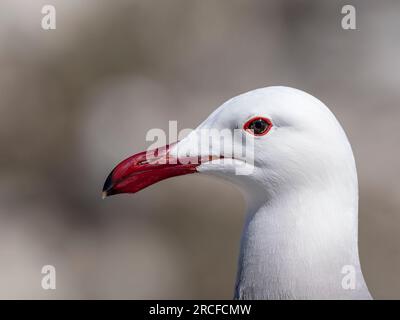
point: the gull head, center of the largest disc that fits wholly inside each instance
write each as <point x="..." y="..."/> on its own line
<point x="291" y="159"/>
<point x="266" y="141"/>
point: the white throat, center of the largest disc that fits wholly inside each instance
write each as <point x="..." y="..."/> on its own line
<point x="296" y="243"/>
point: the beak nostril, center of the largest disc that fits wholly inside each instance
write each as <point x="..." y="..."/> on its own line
<point x="140" y="163"/>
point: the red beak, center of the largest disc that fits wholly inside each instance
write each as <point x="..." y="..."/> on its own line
<point x="146" y="168"/>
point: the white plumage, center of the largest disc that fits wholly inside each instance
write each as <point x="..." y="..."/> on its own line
<point x="302" y="198"/>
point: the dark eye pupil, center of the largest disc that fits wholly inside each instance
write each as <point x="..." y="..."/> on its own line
<point x="258" y="126"/>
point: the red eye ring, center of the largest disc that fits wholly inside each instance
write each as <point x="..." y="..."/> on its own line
<point x="258" y="126"/>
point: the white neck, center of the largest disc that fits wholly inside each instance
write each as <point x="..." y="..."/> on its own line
<point x="296" y="246"/>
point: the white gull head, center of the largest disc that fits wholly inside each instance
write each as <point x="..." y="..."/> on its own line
<point x="300" y="236"/>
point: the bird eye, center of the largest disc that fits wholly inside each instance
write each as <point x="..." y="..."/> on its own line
<point x="258" y="126"/>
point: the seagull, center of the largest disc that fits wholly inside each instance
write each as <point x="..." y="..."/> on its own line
<point x="300" y="236"/>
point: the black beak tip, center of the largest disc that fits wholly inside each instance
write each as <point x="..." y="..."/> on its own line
<point x="108" y="185"/>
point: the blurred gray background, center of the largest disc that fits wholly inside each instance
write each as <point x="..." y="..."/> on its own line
<point x="76" y="100"/>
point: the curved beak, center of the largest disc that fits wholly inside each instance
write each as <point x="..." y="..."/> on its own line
<point x="146" y="168"/>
